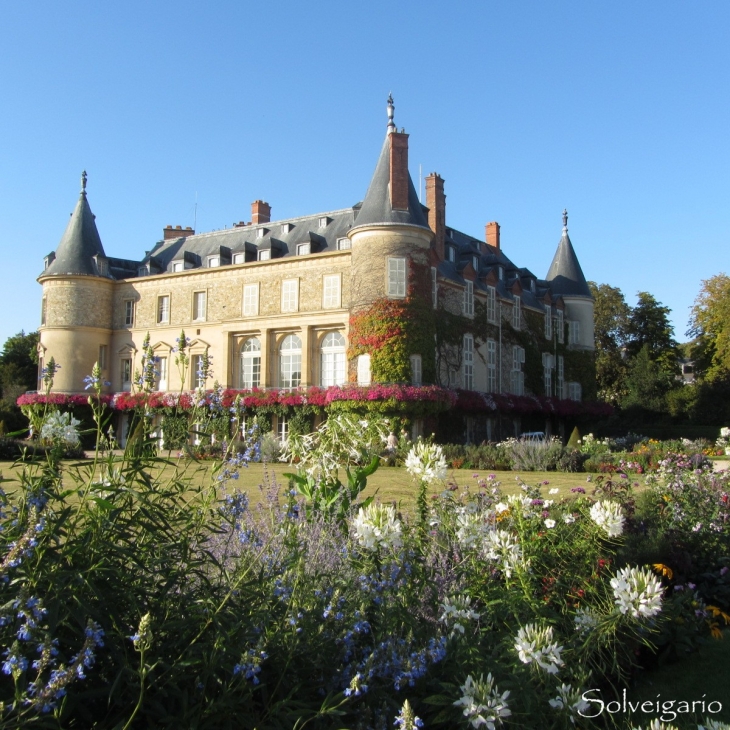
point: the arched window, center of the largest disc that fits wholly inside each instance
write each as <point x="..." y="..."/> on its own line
<point x="250" y="363"/>
<point x="290" y="362"/>
<point x="332" y="359"/>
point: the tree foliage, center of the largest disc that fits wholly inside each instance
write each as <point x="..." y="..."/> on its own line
<point x="649" y="326"/>
<point x="710" y="324"/>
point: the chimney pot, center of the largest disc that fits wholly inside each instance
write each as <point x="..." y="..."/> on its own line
<point x="436" y="204"/>
<point x="491" y="231"/>
<point x="260" y="212"/>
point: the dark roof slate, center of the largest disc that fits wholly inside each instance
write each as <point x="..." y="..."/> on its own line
<point x="565" y="275"/>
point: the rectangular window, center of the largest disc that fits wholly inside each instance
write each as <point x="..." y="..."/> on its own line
<point x="363" y="370"/>
<point x="178" y="266"/>
<point x="239" y="258"/>
<point x="343" y="244"/>
<point x="44" y="309"/>
<point x="516" y="312"/>
<point x="126" y="372"/>
<point x="416" y="370"/>
<point x="468" y="304"/>
<point x="128" y="312"/>
<point x="396" y="277"/>
<point x="547" y="372"/>
<point x="285" y="228"/>
<point x="434" y="287"/>
<point x="214" y="261"/>
<point x="549" y="324"/>
<point x="196" y="376"/>
<point x="290" y="295"/>
<point x="331" y="291"/>
<point x="250" y="300"/>
<point x="491" y="366"/>
<point x="102" y="357"/>
<point x="468" y="363"/>
<point x="162" y="374"/>
<point x="491" y="304"/>
<point x="574" y="391"/>
<point x="574" y="332"/>
<point x="200" y="301"/>
<point x="143" y="271"/>
<point x="451" y="253"/>
<point x="163" y="309"/>
<point x="517" y="377"/>
<point x="282" y="429"/>
<point x="303" y="249"/>
<point x="561" y="377"/>
<point x="561" y="327"/>
<point x="323" y="221"/>
<point x="265" y="255"/>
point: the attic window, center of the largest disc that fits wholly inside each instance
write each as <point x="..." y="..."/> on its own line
<point x="260" y="233"/>
<point x="501" y="273"/>
<point x="178" y="265"/>
<point x="303" y="249"/>
<point x="143" y="271"/>
<point x="265" y="255"/>
<point x="532" y="286"/>
<point x="48" y="260"/>
<point x="343" y="244"/>
<point x="450" y="253"/>
<point x="286" y="228"/>
<point x="102" y="265"/>
<point x="214" y="261"/>
<point x="323" y="221"/>
<point x="475" y="262"/>
<point x="239" y="258"/>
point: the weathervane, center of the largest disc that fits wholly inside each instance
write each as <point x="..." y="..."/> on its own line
<point x="391" y="112"/>
<point x="83" y="182"/>
<point x="565" y="219"/>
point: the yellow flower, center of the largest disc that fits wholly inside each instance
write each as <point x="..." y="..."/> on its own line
<point x="715" y="611"/>
<point x="715" y="631"/>
<point x="664" y="570"/>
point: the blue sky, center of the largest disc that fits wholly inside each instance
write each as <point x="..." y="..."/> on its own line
<point x="618" y="111"/>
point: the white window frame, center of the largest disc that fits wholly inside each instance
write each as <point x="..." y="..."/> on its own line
<point x="517" y="376"/>
<point x="44" y="310"/>
<point x="290" y="362"/>
<point x="451" y="254"/>
<point x="332" y="360"/>
<point x="561" y="326"/>
<point x="491" y="366"/>
<point x="264" y="254"/>
<point x="491" y="304"/>
<point x="129" y="312"/>
<point x="468" y="303"/>
<point x="162" y="372"/>
<point x="239" y="258"/>
<point x="475" y="263"/>
<point x="143" y="271"/>
<point x="250" y="300"/>
<point x="125" y="373"/>
<point x="178" y="266"/>
<point x="214" y="261"/>
<point x="467" y="363"/>
<point x="331" y="291"/>
<point x="397" y="276"/>
<point x="575" y="392"/>
<point x="260" y="233"/>
<point x="285" y="228"/>
<point x="304" y="249"/>
<point x="516" y="311"/>
<point x="364" y="374"/>
<point x="344" y="244"/>
<point x="560" y="385"/>
<point x="163" y="309"/>
<point x="574" y="332"/>
<point x="549" y="323"/>
<point x="416" y="370"/>
<point x="323" y="221"/>
<point x="547" y="372"/>
<point x="249" y="375"/>
<point x="200" y="305"/>
<point x="434" y="287"/>
<point x="290" y="295"/>
<point x="282" y="429"/>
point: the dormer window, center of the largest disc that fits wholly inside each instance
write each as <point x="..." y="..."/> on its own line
<point x="323" y="221"/>
<point x="475" y="263"/>
<point x="264" y="255"/>
<point x="303" y="249"/>
<point x="451" y="253"/>
<point x="214" y="261"/>
<point x="286" y="228"/>
<point x="239" y="258"/>
<point x="48" y="260"/>
<point x="343" y="244"/>
<point x="260" y="233"/>
<point x="143" y="271"/>
<point x="102" y="265"/>
<point x="178" y="266"/>
<point x="501" y="273"/>
<point x="532" y="286"/>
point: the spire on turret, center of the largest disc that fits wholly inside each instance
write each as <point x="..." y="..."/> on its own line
<point x="80" y="247"/>
<point x="391" y="112"/>
<point x="565" y="275"/>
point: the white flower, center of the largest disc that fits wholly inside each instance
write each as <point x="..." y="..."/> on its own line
<point x="482" y="703"/>
<point x="470" y="527"/>
<point x="638" y="592"/>
<point x="585" y="620"/>
<point x="554" y="490"/>
<point x="550" y="524"/>
<point x="571" y="700"/>
<point x="658" y="725"/>
<point x="502" y="546"/>
<point x="377" y="526"/>
<point x="607" y="514"/>
<point x="568" y="519"/>
<point x="713" y="724"/>
<point x="60" y="428"/>
<point x="456" y="612"/>
<point x="500" y="507"/>
<point x="426" y="462"/>
<point x="536" y="646"/>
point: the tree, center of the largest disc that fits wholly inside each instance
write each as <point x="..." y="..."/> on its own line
<point x="649" y="327"/>
<point x="710" y="324"/>
<point x="19" y="364"/>
<point x="611" y="319"/>
<point x="647" y="383"/>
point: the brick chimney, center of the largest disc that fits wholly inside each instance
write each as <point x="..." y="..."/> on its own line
<point x="169" y="232"/>
<point x="399" y="170"/>
<point x="260" y="212"/>
<point x="492" y="234"/>
<point x="436" y="204"/>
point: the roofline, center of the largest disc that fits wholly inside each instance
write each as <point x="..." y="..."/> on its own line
<point x="385" y="224"/>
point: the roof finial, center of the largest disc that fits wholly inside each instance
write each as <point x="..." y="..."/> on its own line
<point x="83" y="182"/>
<point x="565" y="220"/>
<point x="391" y="112"/>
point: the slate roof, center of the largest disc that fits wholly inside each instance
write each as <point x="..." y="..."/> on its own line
<point x="376" y="207"/>
<point x="565" y="276"/>
<point x="79" y="244"/>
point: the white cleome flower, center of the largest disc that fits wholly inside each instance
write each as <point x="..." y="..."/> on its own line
<point x="457" y="612"/>
<point x="585" y="620"/>
<point x="471" y="527"/>
<point x="570" y="700"/>
<point x="550" y="524"/>
<point x="502" y="547"/>
<point x="658" y="725"/>
<point x="713" y="725"/>
<point x="60" y="428"/>
<point x="482" y="703"/>
<point x="377" y="526"/>
<point x="426" y="462"/>
<point x="568" y="519"/>
<point x="536" y="646"/>
<point x="637" y="592"/>
<point x="607" y="514"/>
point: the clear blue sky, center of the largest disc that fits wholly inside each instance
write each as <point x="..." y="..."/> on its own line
<point x="618" y="111"/>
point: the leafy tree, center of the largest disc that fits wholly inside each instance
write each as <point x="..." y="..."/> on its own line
<point x="649" y="327"/>
<point x="710" y="324"/>
<point x="611" y="319"/>
<point x="647" y="383"/>
<point x="19" y="364"/>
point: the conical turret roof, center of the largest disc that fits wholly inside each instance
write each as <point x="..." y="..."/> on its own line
<point x="79" y="244"/>
<point x="565" y="275"/>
